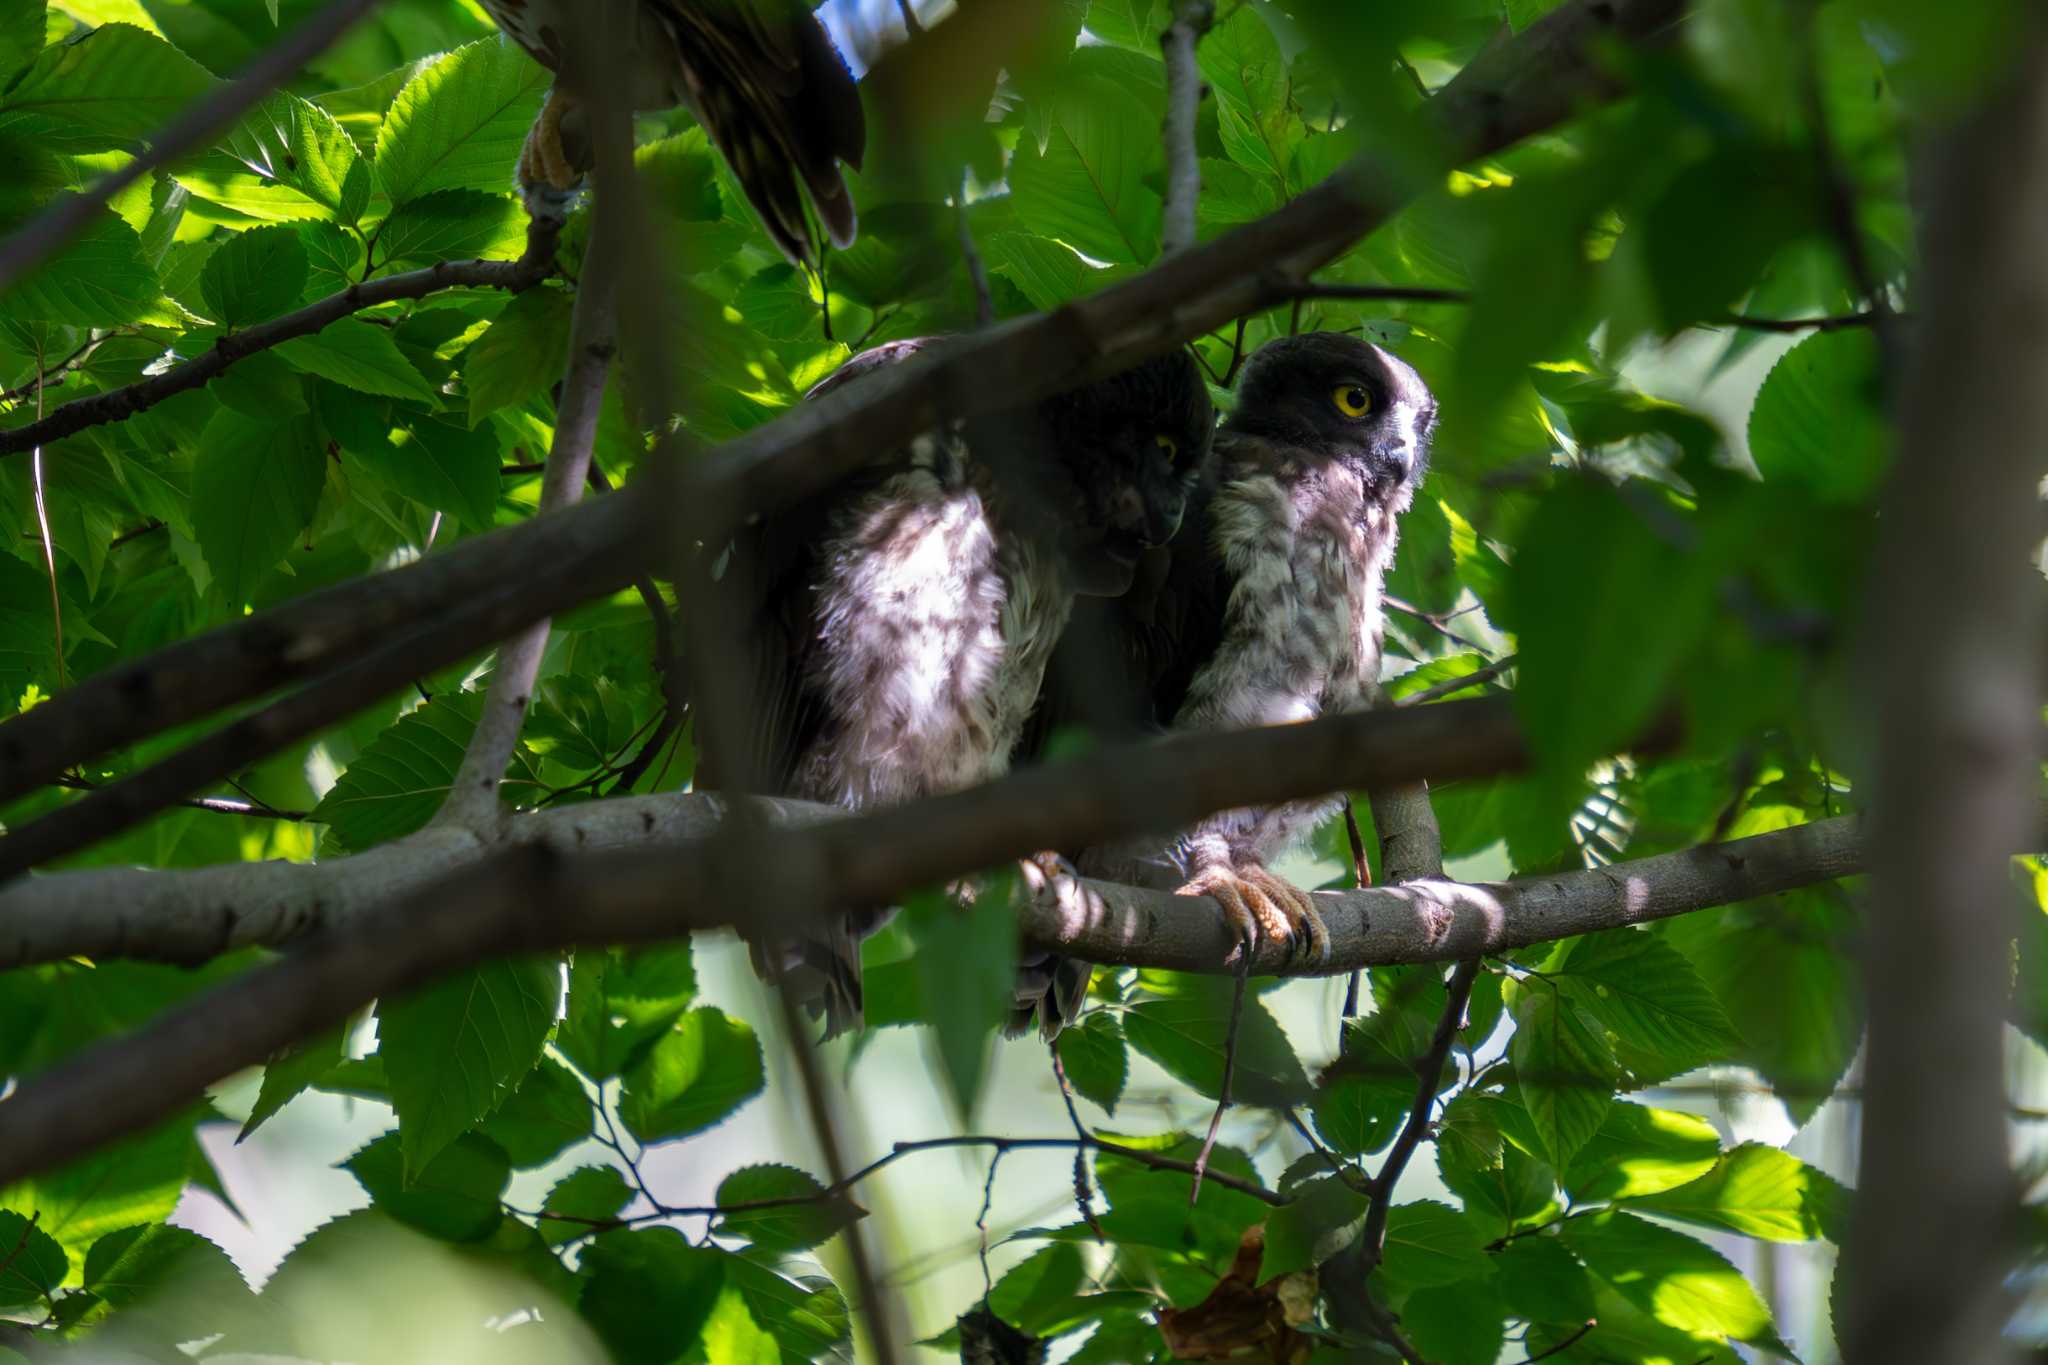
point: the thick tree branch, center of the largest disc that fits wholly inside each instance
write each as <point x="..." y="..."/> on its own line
<point x="1191" y="19"/>
<point x="1957" y="712"/>
<point x="198" y="125"/>
<point x="533" y="897"/>
<point x="116" y="405"/>
<point x="1524" y="86"/>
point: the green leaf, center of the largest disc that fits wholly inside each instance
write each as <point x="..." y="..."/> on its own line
<point x="288" y="159"/>
<point x="1759" y="1191"/>
<point x="1095" y="1058"/>
<point x="455" y="1198"/>
<point x="101" y="279"/>
<point x="549" y="1113"/>
<point x="460" y="123"/>
<point x="289" y="1072"/>
<point x="1598" y="591"/>
<point x="1048" y="272"/>
<point x="1496" y="1178"/>
<point x="1133" y="24"/>
<point x="450" y="225"/>
<point x="1087" y="186"/>
<point x="627" y="1270"/>
<point x="807" y="1315"/>
<point x="455" y="1050"/>
<point x="520" y="354"/>
<point x="1185" y="1032"/>
<point x="580" y="722"/>
<point x="255" y="275"/>
<point x="36" y="1265"/>
<point x="1242" y="64"/>
<point x="1624" y="1332"/>
<point x="1457" y="1324"/>
<point x="1324" y="1218"/>
<point x="110" y="89"/>
<point x="1563" y="1068"/>
<point x="254" y="488"/>
<point x="696" y="1075"/>
<point x="967" y="962"/>
<point x="792" y="1227"/>
<point x="777" y="303"/>
<point x="1432" y="1244"/>
<point x="1680" y="1282"/>
<point x="1039" y="1290"/>
<point x="443" y="465"/>
<point x="732" y="1337"/>
<point x="588" y="1192"/>
<point x="358" y="356"/>
<point x="1639" y="1151"/>
<point x="400" y="779"/>
<point x="1784" y="972"/>
<point x="1542" y="1282"/>
<point x="187" y="1285"/>
<point x="23" y="29"/>
<point x="1818" y="420"/>
<point x="1663" y="1018"/>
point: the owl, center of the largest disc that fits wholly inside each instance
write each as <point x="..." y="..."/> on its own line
<point x="762" y="76"/>
<point x="1264" y="610"/>
<point x="905" y="617"/>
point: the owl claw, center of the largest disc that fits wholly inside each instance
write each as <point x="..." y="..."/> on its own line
<point x="1308" y="938"/>
<point x="1043" y="868"/>
<point x="1260" y="906"/>
<point x="548" y="177"/>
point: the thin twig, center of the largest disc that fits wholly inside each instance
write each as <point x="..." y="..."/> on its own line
<point x="1309" y="290"/>
<point x="117" y="405"/>
<point x="1450" y="687"/>
<point x="1345" y="1173"/>
<point x="1361" y="876"/>
<point x="219" y="805"/>
<point x="1191" y="19"/>
<point x="43" y="527"/>
<point x="909" y="12"/>
<point x="1838" y="187"/>
<point x="1565" y="1345"/>
<point x="198" y="125"/>
<point x="977" y="269"/>
<point x="1243" y="977"/>
<point x="1429" y="1070"/>
<point x="1868" y="318"/>
<point x="988" y="1199"/>
<point x="1084" y="1193"/>
<point x="472" y="801"/>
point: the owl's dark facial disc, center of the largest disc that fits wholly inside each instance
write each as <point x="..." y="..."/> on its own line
<point x="1130" y="449"/>
<point x="1346" y="399"/>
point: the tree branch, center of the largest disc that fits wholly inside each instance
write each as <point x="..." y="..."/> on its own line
<point x="198" y="125"/>
<point x="1528" y="84"/>
<point x="1191" y="19"/>
<point x="473" y="796"/>
<point x="1956" y="710"/>
<point x="533" y="266"/>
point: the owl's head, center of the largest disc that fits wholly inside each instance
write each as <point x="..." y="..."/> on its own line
<point x="1343" y="399"/>
<point x="1130" y="449"/>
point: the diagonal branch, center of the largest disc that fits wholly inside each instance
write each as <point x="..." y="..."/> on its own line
<point x="116" y="405"/>
<point x="198" y="125"/>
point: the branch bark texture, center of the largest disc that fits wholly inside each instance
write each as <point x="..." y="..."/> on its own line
<point x="1957" y="707"/>
<point x="1191" y="19"/>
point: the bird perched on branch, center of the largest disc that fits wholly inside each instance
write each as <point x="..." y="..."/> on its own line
<point x="762" y="76"/>
<point x="1265" y="610"/>
<point x="904" y="618"/>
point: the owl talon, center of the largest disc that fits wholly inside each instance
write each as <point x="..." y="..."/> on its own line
<point x="1045" y="867"/>
<point x="1259" y="905"/>
<point x="1309" y="937"/>
<point x="548" y="176"/>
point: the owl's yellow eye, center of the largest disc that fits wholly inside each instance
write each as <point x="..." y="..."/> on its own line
<point x="1167" y="444"/>
<point x="1352" y="400"/>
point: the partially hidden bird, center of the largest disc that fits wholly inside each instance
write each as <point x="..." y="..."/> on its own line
<point x="902" y="620"/>
<point x="761" y="76"/>
<point x="1264" y="610"/>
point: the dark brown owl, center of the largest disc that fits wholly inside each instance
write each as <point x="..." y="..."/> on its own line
<point x="1265" y="610"/>
<point x="762" y="77"/>
<point x="906" y="616"/>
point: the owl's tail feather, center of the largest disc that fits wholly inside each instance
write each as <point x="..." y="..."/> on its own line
<point x="823" y="974"/>
<point x="782" y="107"/>
<point x="1050" y="991"/>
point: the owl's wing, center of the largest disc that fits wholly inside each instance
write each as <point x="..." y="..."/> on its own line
<point x="777" y="99"/>
<point x="775" y="562"/>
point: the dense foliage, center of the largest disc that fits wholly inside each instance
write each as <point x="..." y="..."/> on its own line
<point x="1615" y="551"/>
